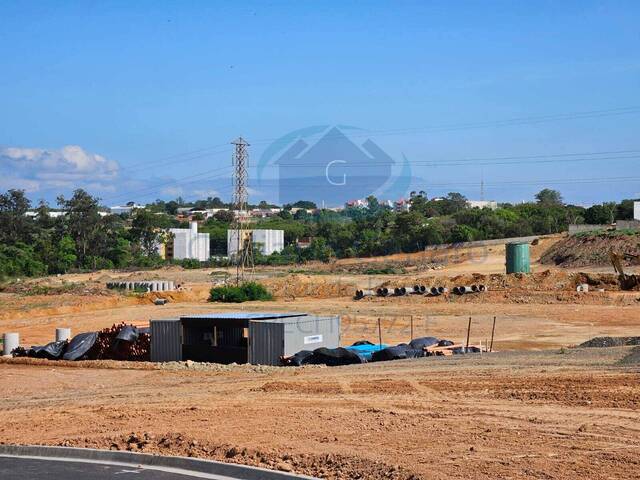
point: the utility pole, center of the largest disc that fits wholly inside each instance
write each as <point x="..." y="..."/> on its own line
<point x="243" y="236"/>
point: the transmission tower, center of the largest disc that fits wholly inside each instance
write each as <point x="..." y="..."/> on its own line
<point x="240" y="232"/>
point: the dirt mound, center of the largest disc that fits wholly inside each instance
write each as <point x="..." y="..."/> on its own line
<point x="329" y="466"/>
<point x="293" y="286"/>
<point x="591" y="250"/>
<point x="632" y="358"/>
<point x="604" y="342"/>
<point x="542" y="281"/>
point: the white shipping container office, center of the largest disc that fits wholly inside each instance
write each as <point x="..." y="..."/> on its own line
<point x="188" y="243"/>
<point x="636" y="211"/>
<point x="267" y="241"/>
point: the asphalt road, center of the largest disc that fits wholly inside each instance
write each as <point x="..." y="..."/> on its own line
<point x="16" y="468"/>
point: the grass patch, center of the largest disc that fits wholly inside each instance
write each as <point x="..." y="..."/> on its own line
<point x="245" y="292"/>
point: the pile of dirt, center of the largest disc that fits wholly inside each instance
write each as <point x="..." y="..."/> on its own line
<point x="294" y="286"/>
<point x="604" y="342"/>
<point x="591" y="250"/>
<point x="53" y="288"/>
<point x="543" y="281"/>
<point x="632" y="358"/>
<point x="329" y="466"/>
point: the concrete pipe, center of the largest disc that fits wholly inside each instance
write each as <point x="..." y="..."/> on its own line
<point x="10" y="342"/>
<point x="385" y="291"/>
<point x="165" y="286"/>
<point x="463" y="290"/>
<point x="482" y="288"/>
<point x="416" y="289"/>
<point x="474" y="288"/>
<point x="63" y="334"/>
<point x="379" y="292"/>
<point x="423" y="288"/>
<point x="434" y="291"/>
<point x="171" y="286"/>
<point x="442" y="290"/>
<point x="366" y="293"/>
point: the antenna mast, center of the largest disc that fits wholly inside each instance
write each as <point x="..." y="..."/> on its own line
<point x="243" y="236"/>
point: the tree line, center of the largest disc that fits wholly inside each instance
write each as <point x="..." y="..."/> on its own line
<point x="84" y="239"/>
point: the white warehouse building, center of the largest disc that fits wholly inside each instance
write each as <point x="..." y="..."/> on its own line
<point x="636" y="210"/>
<point x="186" y="243"/>
<point x="265" y="241"/>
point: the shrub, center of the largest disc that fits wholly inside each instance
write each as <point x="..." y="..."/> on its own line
<point x="247" y="291"/>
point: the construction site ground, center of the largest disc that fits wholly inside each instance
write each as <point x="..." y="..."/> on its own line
<point x="537" y="409"/>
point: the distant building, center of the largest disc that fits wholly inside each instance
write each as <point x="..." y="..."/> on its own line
<point x="482" y="204"/>
<point x="402" y="205"/>
<point x="304" y="242"/>
<point x="186" y="243"/>
<point x="636" y="210"/>
<point x="128" y="208"/>
<point x="265" y="241"/>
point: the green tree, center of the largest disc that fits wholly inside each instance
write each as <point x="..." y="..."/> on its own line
<point x="147" y="231"/>
<point x="15" y="226"/>
<point x="83" y="222"/>
<point x="65" y="254"/>
<point x="549" y="197"/>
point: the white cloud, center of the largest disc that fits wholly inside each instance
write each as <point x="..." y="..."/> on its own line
<point x="70" y="167"/>
<point x="173" y="191"/>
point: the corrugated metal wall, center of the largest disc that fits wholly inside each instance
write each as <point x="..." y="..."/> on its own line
<point x="266" y="342"/>
<point x="166" y="340"/>
<point x="309" y="333"/>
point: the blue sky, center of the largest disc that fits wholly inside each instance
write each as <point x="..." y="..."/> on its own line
<point x="112" y="96"/>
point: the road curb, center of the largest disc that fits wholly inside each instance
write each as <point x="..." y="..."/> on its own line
<point x="211" y="467"/>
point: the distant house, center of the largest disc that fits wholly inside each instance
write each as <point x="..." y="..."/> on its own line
<point x="333" y="170"/>
<point x="126" y="209"/>
<point x="482" y="204"/>
<point x="263" y="240"/>
<point x="186" y="243"/>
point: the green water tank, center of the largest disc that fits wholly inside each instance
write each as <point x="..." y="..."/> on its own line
<point x="518" y="260"/>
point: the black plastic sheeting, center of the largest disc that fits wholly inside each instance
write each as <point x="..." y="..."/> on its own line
<point x="341" y="356"/>
<point x="333" y="357"/>
<point x="398" y="352"/>
<point x="128" y="334"/>
<point x="301" y="358"/>
<point x="362" y="342"/>
<point x="419" y="343"/>
<point x="50" y="351"/>
<point x="80" y="345"/>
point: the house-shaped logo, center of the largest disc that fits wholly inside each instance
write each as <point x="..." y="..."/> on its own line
<point x="332" y="170"/>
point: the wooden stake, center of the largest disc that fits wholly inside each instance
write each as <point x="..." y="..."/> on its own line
<point x="493" y="330"/>
<point x="379" y="334"/>
<point x="468" y="333"/>
<point x="411" y="327"/>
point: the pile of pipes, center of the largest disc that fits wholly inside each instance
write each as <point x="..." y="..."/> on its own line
<point x="418" y="290"/>
<point x="148" y="286"/>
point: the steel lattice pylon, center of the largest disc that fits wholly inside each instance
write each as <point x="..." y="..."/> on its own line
<point x="243" y="236"/>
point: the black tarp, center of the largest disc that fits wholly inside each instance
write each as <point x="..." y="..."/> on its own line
<point x="129" y="333"/>
<point x="361" y="342"/>
<point x="50" y="351"/>
<point x="445" y="343"/>
<point x="80" y="345"/>
<point x="300" y="358"/>
<point x="333" y="357"/>
<point x="419" y="343"/>
<point x="398" y="352"/>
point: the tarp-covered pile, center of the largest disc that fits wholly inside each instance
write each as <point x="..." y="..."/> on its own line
<point x="120" y="342"/>
<point x="364" y="351"/>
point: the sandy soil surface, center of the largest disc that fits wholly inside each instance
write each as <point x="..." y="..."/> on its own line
<point x="525" y="412"/>
<point x="514" y="415"/>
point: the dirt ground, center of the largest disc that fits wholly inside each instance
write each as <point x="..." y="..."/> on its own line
<point x="534" y="410"/>
<point x="549" y="414"/>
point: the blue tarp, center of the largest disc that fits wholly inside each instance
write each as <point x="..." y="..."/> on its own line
<point x="366" y="351"/>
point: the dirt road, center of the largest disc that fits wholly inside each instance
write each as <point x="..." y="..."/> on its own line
<point x="506" y="415"/>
